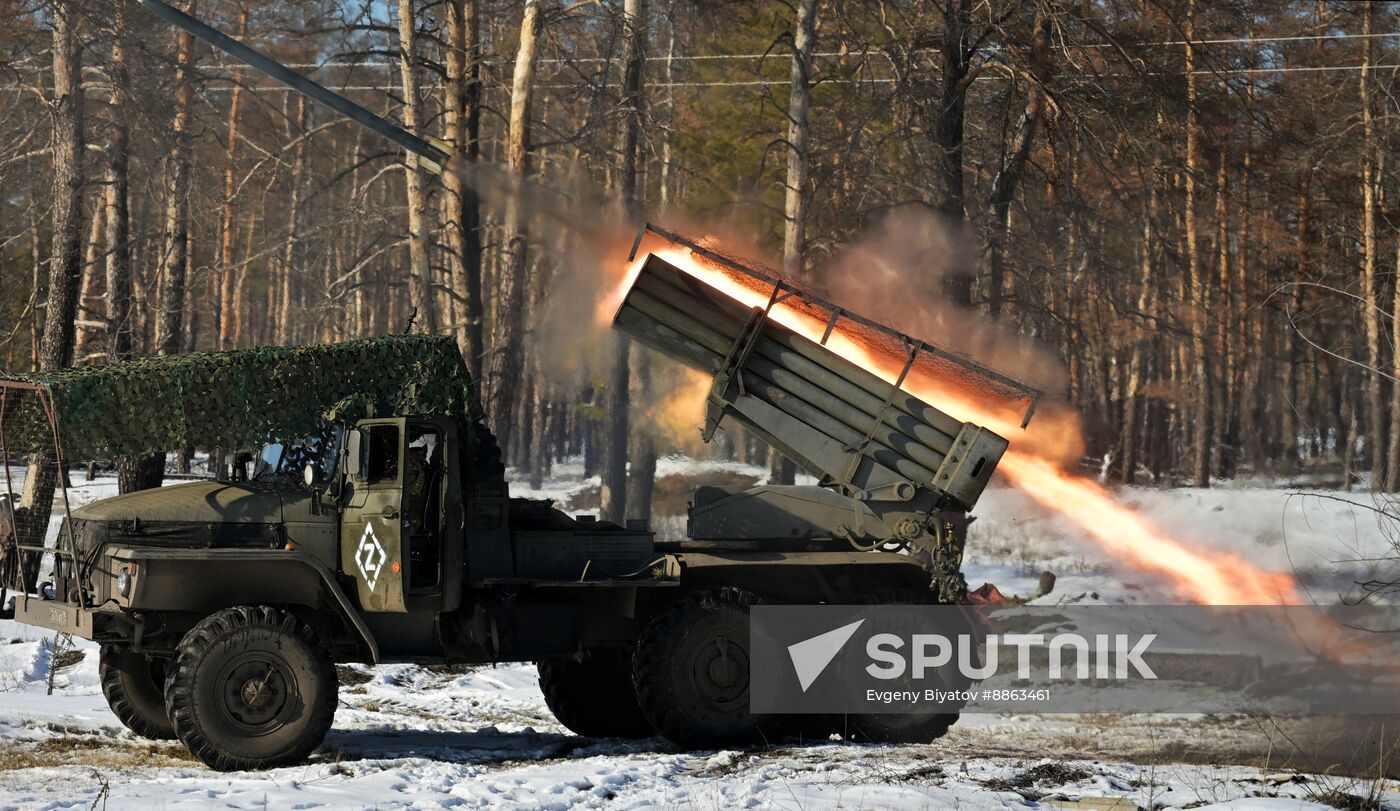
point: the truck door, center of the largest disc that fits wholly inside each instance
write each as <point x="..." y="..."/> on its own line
<point x="372" y="523"/>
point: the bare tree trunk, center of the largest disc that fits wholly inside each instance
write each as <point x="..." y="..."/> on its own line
<point x="1292" y="389"/>
<point x="228" y="274"/>
<point x="145" y="275"/>
<point x="642" y="452"/>
<point x="119" y="187"/>
<point x="1008" y="177"/>
<point x="241" y="280"/>
<point x="1221" y="438"/>
<point x="65" y="266"/>
<point x="420" y="270"/>
<point x="1251" y="319"/>
<point x="782" y="469"/>
<point x="197" y="290"/>
<point x="1350" y="416"/>
<point x="518" y="443"/>
<point x="666" y="180"/>
<point x="617" y="391"/>
<point x="65" y="261"/>
<point x="135" y="473"/>
<point x="174" y="268"/>
<point x="538" y="462"/>
<point x="1392" y="467"/>
<point x="1132" y="395"/>
<point x="91" y="319"/>
<point x="463" y="209"/>
<point x="291" y="252"/>
<point x="1375" y="417"/>
<point x="956" y="63"/>
<point x="175" y="254"/>
<point x="507" y="325"/>
<point x="1200" y="465"/>
<point x="799" y="102"/>
<point x="38" y="278"/>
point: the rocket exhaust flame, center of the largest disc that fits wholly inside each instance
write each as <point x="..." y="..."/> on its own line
<point x="1034" y="464"/>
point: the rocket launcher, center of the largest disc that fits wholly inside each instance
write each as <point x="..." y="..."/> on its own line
<point x="881" y="454"/>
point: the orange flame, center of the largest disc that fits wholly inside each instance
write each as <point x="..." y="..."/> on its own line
<point x="1035" y="463"/>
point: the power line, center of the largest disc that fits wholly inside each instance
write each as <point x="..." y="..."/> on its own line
<point x="393" y="63"/>
<point x="394" y="88"/>
<point x="1252" y="39"/>
<point x="388" y="88"/>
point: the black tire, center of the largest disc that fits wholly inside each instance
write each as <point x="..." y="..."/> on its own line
<point x="907" y="727"/>
<point x="135" y="690"/>
<point x="595" y="698"/>
<point x="691" y="670"/>
<point x="251" y="688"/>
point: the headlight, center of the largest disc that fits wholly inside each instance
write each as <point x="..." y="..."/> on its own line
<point x="124" y="583"/>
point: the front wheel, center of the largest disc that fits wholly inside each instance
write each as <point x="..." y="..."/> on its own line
<point x="134" y="687"/>
<point x="251" y="688"/>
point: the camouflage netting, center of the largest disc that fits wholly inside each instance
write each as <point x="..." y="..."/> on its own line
<point x="237" y="399"/>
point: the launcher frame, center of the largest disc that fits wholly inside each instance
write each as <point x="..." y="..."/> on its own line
<point x="893" y="469"/>
<point x="782" y="289"/>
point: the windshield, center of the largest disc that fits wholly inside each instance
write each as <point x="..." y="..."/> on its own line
<point x="290" y="458"/>
<point x="269" y="461"/>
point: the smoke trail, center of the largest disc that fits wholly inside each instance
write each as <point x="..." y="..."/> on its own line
<point x="581" y="236"/>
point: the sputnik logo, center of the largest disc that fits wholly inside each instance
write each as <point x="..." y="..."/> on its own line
<point x="370" y="557"/>
<point x="810" y="657"/>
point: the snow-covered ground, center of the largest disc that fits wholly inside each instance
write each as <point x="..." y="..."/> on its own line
<point x="408" y="736"/>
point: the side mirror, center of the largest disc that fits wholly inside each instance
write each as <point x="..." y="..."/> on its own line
<point x="354" y="453"/>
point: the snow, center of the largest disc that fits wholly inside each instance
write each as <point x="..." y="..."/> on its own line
<point x="1329" y="540"/>
<point x="420" y="737"/>
<point x="412" y="737"/>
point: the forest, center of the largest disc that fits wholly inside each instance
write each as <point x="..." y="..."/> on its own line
<point x="1174" y="216"/>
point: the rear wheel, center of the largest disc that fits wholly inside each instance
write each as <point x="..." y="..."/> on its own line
<point x="896" y="727"/>
<point x="135" y="690"/>
<point x="595" y="698"/>
<point x="691" y="669"/>
<point x="251" y="688"/>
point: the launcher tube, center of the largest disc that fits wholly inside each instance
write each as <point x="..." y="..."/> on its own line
<point x="832" y="417"/>
<point x="819" y="420"/>
<point x="806" y="403"/>
<point x="851" y="420"/>
<point x="864" y="405"/>
<point x="836" y="373"/>
<point x="782" y="363"/>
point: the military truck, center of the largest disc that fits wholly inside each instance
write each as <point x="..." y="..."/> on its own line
<point x="375" y="524"/>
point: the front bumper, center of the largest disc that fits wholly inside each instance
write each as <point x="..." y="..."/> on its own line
<point x="56" y="615"/>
